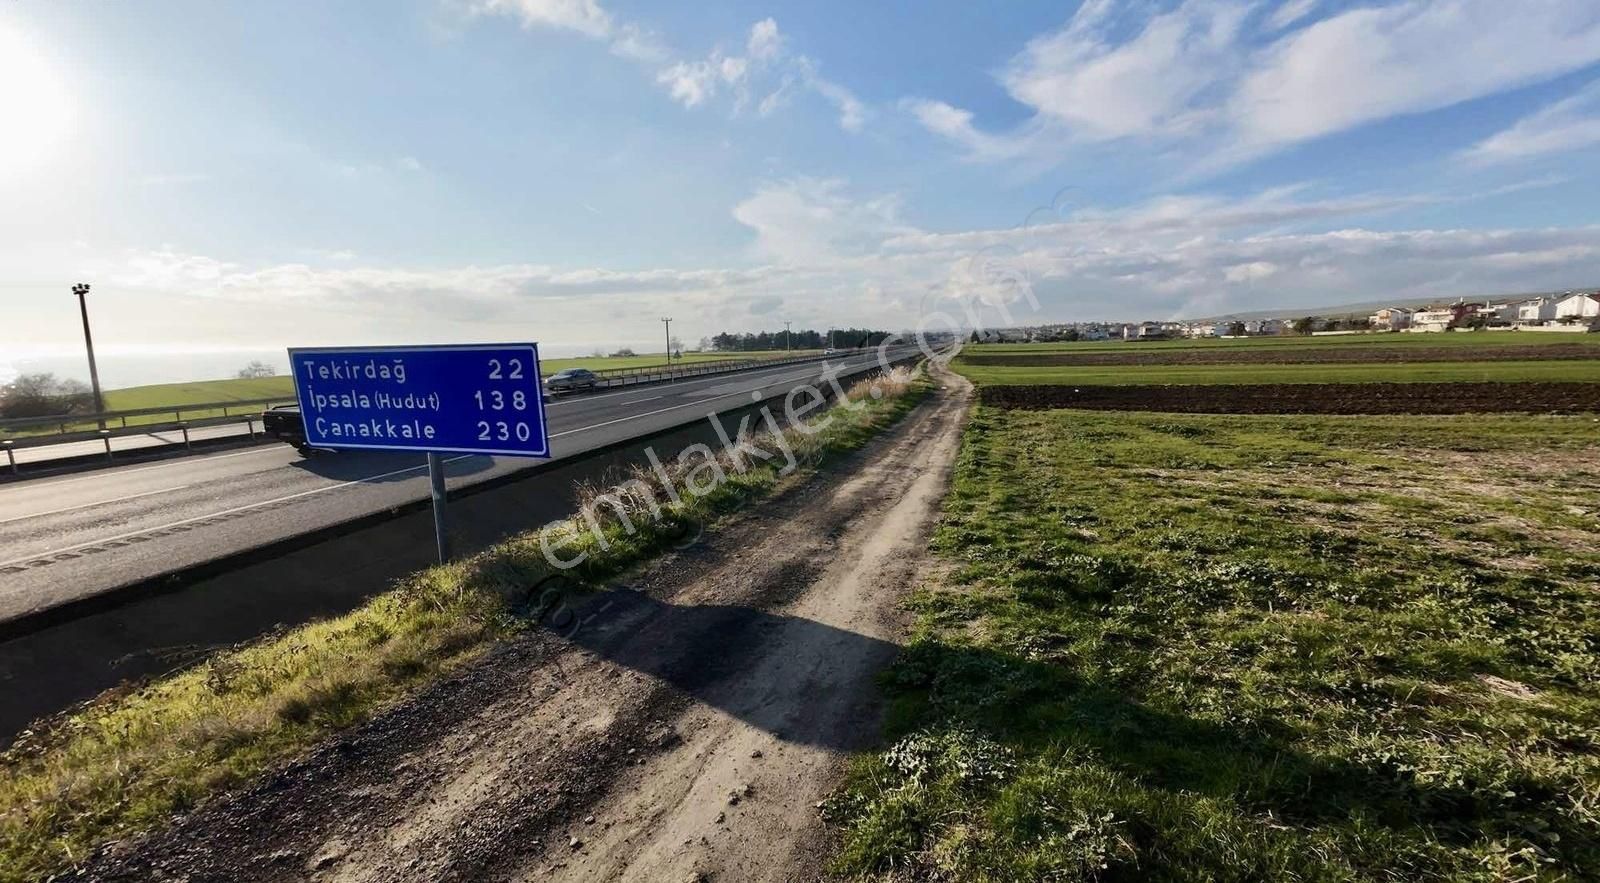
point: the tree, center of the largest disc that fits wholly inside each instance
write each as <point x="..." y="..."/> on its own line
<point x="256" y="369"/>
<point x="624" y="353"/>
<point x="1305" y="325"/>
<point x="44" y="395"/>
<point x="1236" y="329"/>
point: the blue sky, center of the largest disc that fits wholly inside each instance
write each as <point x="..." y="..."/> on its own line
<point x="252" y="176"/>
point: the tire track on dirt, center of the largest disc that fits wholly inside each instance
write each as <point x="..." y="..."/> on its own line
<point x="685" y="731"/>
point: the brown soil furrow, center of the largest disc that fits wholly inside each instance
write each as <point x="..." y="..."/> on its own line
<point x="1307" y="398"/>
<point x="1346" y="353"/>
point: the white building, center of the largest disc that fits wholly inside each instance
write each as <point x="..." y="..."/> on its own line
<point x="1540" y="309"/>
<point x="1582" y="306"/>
<point x="1439" y="318"/>
<point x="1390" y="319"/>
<point x="1498" y="314"/>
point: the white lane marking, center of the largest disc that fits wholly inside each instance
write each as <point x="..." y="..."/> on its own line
<point x="645" y="399"/>
<point x="331" y="487"/>
<point x="92" y="505"/>
<point x="730" y="395"/>
<point x="244" y="508"/>
<point x="186" y="461"/>
<point x="722" y="375"/>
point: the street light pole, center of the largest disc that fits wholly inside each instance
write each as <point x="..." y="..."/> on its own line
<point x="786" y="337"/>
<point x="668" y="322"/>
<point x="82" y="289"/>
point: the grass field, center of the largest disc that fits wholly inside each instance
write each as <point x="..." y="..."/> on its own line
<point x="1419" y="372"/>
<point x="1467" y="340"/>
<point x="1249" y="648"/>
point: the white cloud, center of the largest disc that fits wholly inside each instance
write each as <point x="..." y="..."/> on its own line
<point x="690" y="83"/>
<point x="955" y="124"/>
<point x="1202" y="76"/>
<point x="1091" y="85"/>
<point x="1570" y="124"/>
<point x="1249" y="272"/>
<point x="768" y="66"/>
<point x="765" y="42"/>
<point x="823" y="253"/>
<point x="1368" y="64"/>
<point x="634" y="42"/>
<point x="584" y="16"/>
<point x="852" y="113"/>
<point x="813" y="221"/>
<point x="1290" y="12"/>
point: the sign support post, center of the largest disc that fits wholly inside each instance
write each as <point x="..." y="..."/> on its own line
<point x="441" y="533"/>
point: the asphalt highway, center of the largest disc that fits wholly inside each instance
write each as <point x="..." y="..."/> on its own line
<point x="71" y="537"/>
<point x="44" y="454"/>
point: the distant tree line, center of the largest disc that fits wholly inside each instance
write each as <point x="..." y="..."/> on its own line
<point x="843" y="338"/>
<point x="44" y="395"/>
<point x="256" y="370"/>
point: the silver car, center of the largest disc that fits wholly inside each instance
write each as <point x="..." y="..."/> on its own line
<point x="571" y="380"/>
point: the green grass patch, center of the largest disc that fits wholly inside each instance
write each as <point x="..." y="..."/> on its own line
<point x="1178" y="647"/>
<point x="1463" y="339"/>
<point x="1418" y="372"/>
<point x="126" y="762"/>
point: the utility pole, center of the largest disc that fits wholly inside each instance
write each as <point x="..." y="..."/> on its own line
<point x="668" y="322"/>
<point x="786" y="337"/>
<point x="81" y="289"/>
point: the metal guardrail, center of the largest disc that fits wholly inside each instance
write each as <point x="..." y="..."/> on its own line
<point x="248" y="410"/>
<point x="612" y="377"/>
<point x="616" y="377"/>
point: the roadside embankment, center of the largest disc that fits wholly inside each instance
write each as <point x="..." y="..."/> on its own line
<point x="126" y="762"/>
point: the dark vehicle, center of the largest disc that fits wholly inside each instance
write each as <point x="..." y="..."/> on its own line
<point x="284" y="423"/>
<point x="572" y="379"/>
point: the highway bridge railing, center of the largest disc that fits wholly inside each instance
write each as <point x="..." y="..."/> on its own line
<point x="615" y="377"/>
<point x="33" y="432"/>
<point x="52" y="429"/>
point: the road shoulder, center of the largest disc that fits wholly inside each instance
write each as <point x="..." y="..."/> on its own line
<point x="686" y="730"/>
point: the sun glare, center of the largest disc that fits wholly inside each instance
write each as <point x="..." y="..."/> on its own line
<point x="34" y="108"/>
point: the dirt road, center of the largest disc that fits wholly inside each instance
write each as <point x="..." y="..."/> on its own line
<point x="684" y="731"/>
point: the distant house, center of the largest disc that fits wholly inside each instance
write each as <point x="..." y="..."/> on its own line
<point x="1391" y="319"/>
<point x="1093" y="332"/>
<point x="1441" y="318"/>
<point x="1144" y="331"/>
<point x="1537" y="311"/>
<point x="1578" y="306"/>
<point x="1497" y="314"/>
<point x="1264" y="326"/>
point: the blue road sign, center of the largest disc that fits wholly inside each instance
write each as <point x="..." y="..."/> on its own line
<point x="468" y="398"/>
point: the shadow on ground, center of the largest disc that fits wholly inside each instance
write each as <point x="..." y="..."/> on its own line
<point x="798" y="679"/>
